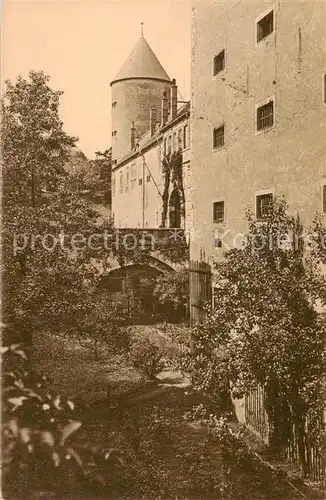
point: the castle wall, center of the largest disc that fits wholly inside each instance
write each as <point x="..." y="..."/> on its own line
<point x="136" y="198"/>
<point x="287" y="159"/>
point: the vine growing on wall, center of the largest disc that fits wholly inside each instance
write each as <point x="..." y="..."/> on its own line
<point x="172" y="173"/>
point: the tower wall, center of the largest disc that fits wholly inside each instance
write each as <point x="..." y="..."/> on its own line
<point x="131" y="102"/>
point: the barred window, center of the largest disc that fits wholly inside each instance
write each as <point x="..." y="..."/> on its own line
<point x="265" y="26"/>
<point x="218" y="137"/>
<point x="218" y="211"/>
<point x="265" y="116"/>
<point x="263" y="203"/>
<point x="219" y="62"/>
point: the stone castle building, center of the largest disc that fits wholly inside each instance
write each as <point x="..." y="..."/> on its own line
<point x="257" y="115"/>
<point x="150" y="126"/>
<point x="257" y="127"/>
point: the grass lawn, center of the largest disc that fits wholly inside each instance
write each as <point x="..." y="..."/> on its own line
<point x="165" y="456"/>
<point x="73" y="370"/>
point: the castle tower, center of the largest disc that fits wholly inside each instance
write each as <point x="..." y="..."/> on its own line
<point x="137" y="88"/>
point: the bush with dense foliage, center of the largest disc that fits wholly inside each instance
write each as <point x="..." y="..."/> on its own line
<point x="172" y="293"/>
<point x="265" y="329"/>
<point x="41" y="450"/>
<point x="146" y="357"/>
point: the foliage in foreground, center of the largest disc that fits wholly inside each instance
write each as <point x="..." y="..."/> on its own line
<point x="40" y="445"/>
<point x="265" y="330"/>
<point x="172" y="293"/>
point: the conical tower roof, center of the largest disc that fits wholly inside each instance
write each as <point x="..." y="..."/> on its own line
<point x="142" y="63"/>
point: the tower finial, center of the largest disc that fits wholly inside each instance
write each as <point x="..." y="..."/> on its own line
<point x="142" y="29"/>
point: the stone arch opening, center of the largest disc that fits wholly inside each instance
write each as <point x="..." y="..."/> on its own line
<point x="129" y="290"/>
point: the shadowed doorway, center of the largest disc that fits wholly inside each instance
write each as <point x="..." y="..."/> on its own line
<point x="175" y="209"/>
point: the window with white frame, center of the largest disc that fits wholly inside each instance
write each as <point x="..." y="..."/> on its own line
<point x="185" y="136"/>
<point x="265" y="116"/>
<point x="263" y="205"/>
<point x="218" y="62"/>
<point x="265" y="26"/>
<point x="218" y="211"/>
<point x="218" y="137"/>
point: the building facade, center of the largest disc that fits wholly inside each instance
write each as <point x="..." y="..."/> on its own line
<point x="257" y="115"/>
<point x="149" y="125"/>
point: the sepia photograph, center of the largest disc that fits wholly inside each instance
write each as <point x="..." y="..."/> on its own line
<point x="163" y="250"/>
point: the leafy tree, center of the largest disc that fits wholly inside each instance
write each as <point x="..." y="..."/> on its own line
<point x="102" y="166"/>
<point x="91" y="178"/>
<point x="34" y="143"/>
<point x="49" y="265"/>
<point x="171" y="290"/>
<point x="265" y="330"/>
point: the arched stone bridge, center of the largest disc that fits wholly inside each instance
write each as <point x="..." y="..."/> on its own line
<point x="164" y="251"/>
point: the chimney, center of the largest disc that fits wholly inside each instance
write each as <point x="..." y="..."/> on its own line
<point x="152" y="120"/>
<point x="173" y="100"/>
<point x="164" y="109"/>
<point x="132" y="136"/>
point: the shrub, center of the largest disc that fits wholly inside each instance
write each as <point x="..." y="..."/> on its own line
<point x="265" y="330"/>
<point x="172" y="293"/>
<point x="146" y="357"/>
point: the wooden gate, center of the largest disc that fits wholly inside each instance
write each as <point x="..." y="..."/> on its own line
<point x="200" y="284"/>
